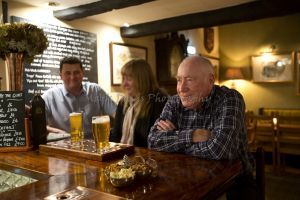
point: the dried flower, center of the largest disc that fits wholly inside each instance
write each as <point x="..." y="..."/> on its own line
<point x="22" y="38"/>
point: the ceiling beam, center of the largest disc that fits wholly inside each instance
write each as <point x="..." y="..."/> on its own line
<point x="95" y="8"/>
<point x="240" y="13"/>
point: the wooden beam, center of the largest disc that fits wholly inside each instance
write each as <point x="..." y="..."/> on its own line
<point x="240" y="13"/>
<point x="4" y="12"/>
<point x="95" y="8"/>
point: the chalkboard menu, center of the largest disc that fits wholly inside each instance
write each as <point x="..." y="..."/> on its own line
<point x="43" y="72"/>
<point x="12" y="113"/>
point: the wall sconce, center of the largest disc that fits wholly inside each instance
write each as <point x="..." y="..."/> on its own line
<point x="233" y="74"/>
<point x="268" y="50"/>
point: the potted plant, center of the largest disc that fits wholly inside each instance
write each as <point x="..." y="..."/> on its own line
<point x="22" y="38"/>
<point x="20" y="42"/>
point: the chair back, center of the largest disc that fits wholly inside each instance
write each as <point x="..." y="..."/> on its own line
<point x="250" y="124"/>
<point x="265" y="136"/>
<point x="288" y="139"/>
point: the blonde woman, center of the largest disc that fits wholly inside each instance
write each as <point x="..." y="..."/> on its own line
<point x="141" y="106"/>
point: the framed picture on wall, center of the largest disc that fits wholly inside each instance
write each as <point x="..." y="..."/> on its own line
<point x="216" y="63"/>
<point x="298" y="74"/>
<point x="121" y="53"/>
<point x="273" y="67"/>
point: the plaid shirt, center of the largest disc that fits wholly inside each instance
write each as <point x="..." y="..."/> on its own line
<point x="222" y="113"/>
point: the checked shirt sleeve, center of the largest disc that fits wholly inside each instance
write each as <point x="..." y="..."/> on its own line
<point x="170" y="141"/>
<point x="227" y="129"/>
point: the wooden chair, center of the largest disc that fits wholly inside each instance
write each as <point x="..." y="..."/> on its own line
<point x="288" y="139"/>
<point x="265" y="136"/>
<point x="250" y="125"/>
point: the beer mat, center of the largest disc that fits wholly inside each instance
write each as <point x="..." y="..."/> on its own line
<point x="87" y="150"/>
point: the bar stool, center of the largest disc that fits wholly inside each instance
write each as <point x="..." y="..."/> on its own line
<point x="260" y="172"/>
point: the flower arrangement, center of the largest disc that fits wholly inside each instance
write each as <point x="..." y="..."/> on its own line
<point x="22" y="38"/>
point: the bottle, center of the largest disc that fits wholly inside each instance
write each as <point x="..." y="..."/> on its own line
<point x="38" y="116"/>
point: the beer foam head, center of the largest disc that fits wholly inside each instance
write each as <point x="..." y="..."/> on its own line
<point x="75" y="114"/>
<point x="100" y="119"/>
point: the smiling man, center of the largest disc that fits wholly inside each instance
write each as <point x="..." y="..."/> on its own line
<point x="204" y="120"/>
<point x="75" y="96"/>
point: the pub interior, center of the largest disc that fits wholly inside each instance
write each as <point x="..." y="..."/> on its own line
<point x="271" y="92"/>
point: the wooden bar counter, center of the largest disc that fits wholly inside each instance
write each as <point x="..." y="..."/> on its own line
<point x="179" y="176"/>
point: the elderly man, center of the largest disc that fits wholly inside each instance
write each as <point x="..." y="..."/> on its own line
<point x="205" y="120"/>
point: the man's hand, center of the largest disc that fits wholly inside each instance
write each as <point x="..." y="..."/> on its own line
<point x="201" y="135"/>
<point x="55" y="130"/>
<point x="165" y="125"/>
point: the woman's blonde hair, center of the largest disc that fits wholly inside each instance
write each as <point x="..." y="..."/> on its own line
<point x="145" y="83"/>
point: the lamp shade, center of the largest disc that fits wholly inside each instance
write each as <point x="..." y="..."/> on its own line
<point x="233" y="73"/>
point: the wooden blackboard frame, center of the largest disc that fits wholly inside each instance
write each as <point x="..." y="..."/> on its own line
<point x="15" y="101"/>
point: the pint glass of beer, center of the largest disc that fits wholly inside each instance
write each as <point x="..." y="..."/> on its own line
<point x="76" y="129"/>
<point x="101" y="130"/>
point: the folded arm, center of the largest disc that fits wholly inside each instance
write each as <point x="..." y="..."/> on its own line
<point x="54" y="130"/>
<point x="216" y="138"/>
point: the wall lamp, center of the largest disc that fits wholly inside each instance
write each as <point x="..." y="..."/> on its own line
<point x="233" y="74"/>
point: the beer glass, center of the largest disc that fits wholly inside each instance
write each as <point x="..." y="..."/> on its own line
<point x="76" y="129"/>
<point x="101" y="130"/>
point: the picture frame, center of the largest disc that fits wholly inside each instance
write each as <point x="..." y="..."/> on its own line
<point x="216" y="64"/>
<point x="121" y="53"/>
<point x="273" y="68"/>
<point x="298" y="75"/>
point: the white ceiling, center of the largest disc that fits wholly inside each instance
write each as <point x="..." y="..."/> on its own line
<point x="147" y="12"/>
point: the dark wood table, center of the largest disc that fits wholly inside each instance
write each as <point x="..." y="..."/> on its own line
<point x="179" y="176"/>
